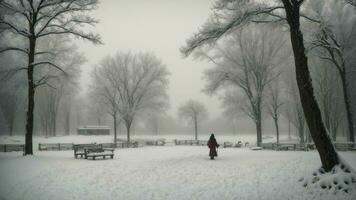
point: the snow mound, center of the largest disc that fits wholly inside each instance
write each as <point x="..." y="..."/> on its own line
<point x="342" y="178"/>
<point x="255" y="148"/>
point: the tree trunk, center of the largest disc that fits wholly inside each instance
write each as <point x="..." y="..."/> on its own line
<point x="289" y="135"/>
<point x="54" y="125"/>
<point x="115" y="130"/>
<point x="31" y="98"/>
<point x="196" y="127"/>
<point x="259" y="125"/>
<point x="67" y="122"/>
<point x="329" y="157"/>
<point x="348" y="108"/>
<point x="277" y="128"/>
<point x="11" y="128"/>
<point x="128" y="126"/>
<point x="301" y="131"/>
<point x="259" y="132"/>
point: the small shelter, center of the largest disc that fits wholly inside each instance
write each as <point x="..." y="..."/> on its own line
<point x="94" y="130"/>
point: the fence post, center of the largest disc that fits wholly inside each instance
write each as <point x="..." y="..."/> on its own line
<point x="59" y="146"/>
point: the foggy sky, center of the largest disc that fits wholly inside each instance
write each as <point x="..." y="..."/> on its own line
<point x="161" y="27"/>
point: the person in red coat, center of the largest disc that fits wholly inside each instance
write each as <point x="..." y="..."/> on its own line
<point x="212" y="144"/>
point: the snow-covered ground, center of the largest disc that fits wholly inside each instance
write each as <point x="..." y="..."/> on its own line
<point x="168" y="172"/>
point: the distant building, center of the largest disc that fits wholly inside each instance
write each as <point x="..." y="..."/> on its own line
<point x="93" y="130"/>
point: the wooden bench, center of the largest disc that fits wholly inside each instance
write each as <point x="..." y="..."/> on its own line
<point x="268" y="146"/>
<point x="79" y="149"/>
<point x="98" y="151"/>
<point x="238" y="144"/>
<point x="228" y="144"/>
<point x="285" y="147"/>
<point x="160" y="142"/>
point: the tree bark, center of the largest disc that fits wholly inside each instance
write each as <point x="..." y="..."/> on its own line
<point x="259" y="126"/>
<point x="259" y="133"/>
<point x="329" y="157"/>
<point x="67" y="121"/>
<point x="31" y="97"/>
<point x="11" y="128"/>
<point x="277" y="128"/>
<point x="115" y="130"/>
<point x="128" y="126"/>
<point x="348" y="108"/>
<point x="301" y="131"/>
<point x="196" y="127"/>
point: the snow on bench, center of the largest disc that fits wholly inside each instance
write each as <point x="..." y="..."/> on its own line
<point x="256" y="148"/>
<point x="79" y="149"/>
<point x="98" y="152"/>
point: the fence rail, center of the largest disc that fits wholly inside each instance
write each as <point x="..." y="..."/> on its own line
<point x="190" y="142"/>
<point x="12" y="147"/>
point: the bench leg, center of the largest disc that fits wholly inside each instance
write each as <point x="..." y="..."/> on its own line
<point x="112" y="156"/>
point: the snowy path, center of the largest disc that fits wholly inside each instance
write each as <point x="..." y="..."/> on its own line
<point x="160" y="173"/>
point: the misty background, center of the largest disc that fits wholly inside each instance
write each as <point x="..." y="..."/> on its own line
<point x="159" y="27"/>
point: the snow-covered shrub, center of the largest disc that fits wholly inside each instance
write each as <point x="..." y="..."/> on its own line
<point x="342" y="178"/>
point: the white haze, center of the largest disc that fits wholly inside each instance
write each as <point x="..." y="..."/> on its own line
<point x="161" y="27"/>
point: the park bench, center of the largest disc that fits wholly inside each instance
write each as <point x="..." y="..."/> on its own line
<point x="285" y="146"/>
<point x="268" y="145"/>
<point x="12" y="147"/>
<point x="79" y="149"/>
<point x="228" y="144"/>
<point x="238" y="144"/>
<point x="98" y="151"/>
<point x="160" y="142"/>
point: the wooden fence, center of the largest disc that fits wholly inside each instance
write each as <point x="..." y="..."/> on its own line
<point x="191" y="142"/>
<point x="12" y="147"/>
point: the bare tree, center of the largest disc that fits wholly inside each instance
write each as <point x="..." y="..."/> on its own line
<point x="104" y="94"/>
<point x="9" y="103"/>
<point x="231" y="15"/>
<point x="329" y="95"/>
<point x="293" y="107"/>
<point x="274" y="104"/>
<point x="11" y="92"/>
<point x="248" y="64"/>
<point x="34" y="20"/>
<point x="193" y="112"/>
<point x="135" y="84"/>
<point x="335" y="43"/>
<point x="67" y="56"/>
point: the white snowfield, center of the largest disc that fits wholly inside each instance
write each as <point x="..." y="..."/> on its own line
<point x="168" y="172"/>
